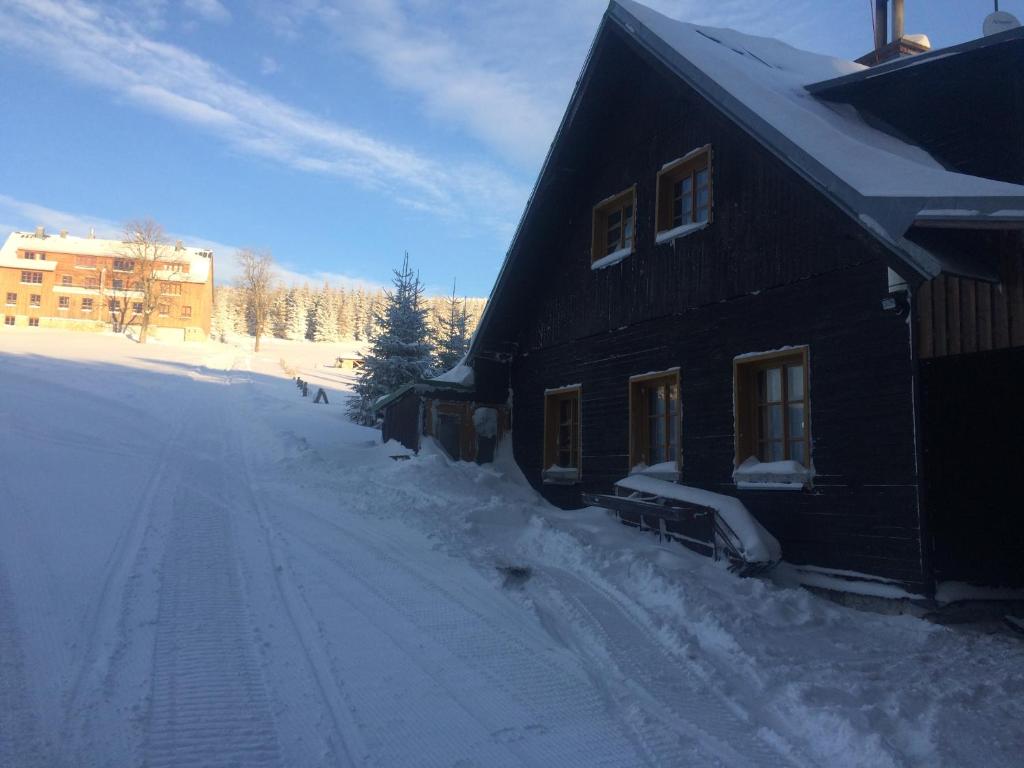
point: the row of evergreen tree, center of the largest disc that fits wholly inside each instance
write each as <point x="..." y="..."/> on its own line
<point x="327" y="314"/>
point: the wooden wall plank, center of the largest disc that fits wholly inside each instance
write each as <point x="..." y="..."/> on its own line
<point x="939" y="313"/>
<point x="925" y="321"/>
<point x="968" y="316"/>
<point x="1014" y="280"/>
<point x="984" y="298"/>
<point x="1000" y="316"/>
<point x="953" y="331"/>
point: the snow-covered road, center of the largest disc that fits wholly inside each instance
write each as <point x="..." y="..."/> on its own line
<point x="200" y="567"/>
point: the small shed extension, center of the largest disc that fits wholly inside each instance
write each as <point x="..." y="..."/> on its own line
<point x="452" y="413"/>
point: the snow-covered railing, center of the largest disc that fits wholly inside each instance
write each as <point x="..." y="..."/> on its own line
<point x="708" y="523"/>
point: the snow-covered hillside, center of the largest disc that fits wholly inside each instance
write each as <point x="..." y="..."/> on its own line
<point x="198" y="566"/>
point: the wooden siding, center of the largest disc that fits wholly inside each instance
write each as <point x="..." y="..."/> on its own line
<point x="956" y="315"/>
<point x="778" y="266"/>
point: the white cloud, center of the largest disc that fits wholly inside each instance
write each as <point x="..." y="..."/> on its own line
<point x="269" y="65"/>
<point x="101" y="47"/>
<point x="211" y="10"/>
<point x="502" y="71"/>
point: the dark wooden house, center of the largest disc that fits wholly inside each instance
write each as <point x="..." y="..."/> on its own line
<point x="785" y="278"/>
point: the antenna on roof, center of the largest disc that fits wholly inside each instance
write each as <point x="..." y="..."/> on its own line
<point x="997" y="22"/>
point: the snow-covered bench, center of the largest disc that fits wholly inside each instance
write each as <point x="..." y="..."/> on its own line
<point x="711" y="524"/>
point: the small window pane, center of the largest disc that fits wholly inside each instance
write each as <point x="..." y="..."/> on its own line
<point x="772" y="451"/>
<point x="769" y="384"/>
<point x="771" y="422"/>
<point x="797" y="452"/>
<point x="796" y="420"/>
<point x="702" y="178"/>
<point x="795" y="381"/>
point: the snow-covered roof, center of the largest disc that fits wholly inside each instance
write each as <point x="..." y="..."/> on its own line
<point x="883" y="183"/>
<point x="199" y="260"/>
<point x="762" y="84"/>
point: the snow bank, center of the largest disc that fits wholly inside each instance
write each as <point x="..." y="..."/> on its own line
<point x="751" y="539"/>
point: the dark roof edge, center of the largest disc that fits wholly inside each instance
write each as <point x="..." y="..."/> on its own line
<point x="822" y="88"/>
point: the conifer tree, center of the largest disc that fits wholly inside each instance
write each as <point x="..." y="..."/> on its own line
<point x="400" y="350"/>
<point x="452" y="332"/>
<point x="324" y="321"/>
<point x="295" y="315"/>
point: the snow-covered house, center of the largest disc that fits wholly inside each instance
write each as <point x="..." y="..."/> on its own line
<point x="89" y="283"/>
<point x="786" y="278"/>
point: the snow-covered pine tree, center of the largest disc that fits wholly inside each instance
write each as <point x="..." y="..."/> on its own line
<point x="371" y="317"/>
<point x="400" y="350"/>
<point x="452" y="332"/>
<point x="358" y="313"/>
<point x="279" y="314"/>
<point x="295" y="315"/>
<point x="341" y="311"/>
<point x="324" y="323"/>
<point x="222" y="323"/>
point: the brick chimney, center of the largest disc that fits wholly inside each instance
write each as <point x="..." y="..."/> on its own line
<point x="900" y="45"/>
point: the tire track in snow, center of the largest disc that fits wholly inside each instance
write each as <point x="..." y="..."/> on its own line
<point x="19" y="738"/>
<point x="347" y="741"/>
<point x="103" y="621"/>
<point x="209" y="705"/>
<point x="674" y="707"/>
<point x="557" y="696"/>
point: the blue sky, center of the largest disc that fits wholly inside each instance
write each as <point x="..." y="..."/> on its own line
<point x="336" y="133"/>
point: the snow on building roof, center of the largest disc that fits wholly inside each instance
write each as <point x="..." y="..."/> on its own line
<point x="199" y="260"/>
<point x="764" y="85"/>
<point x="761" y="83"/>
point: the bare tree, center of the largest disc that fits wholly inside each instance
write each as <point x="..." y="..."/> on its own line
<point x="257" y="284"/>
<point x="144" y="273"/>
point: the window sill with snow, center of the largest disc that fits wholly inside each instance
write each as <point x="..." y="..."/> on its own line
<point x="668" y="235"/>
<point x="555" y="475"/>
<point x="754" y="475"/>
<point x="612" y="258"/>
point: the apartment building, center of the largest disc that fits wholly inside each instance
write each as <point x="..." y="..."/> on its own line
<point x="89" y="283"/>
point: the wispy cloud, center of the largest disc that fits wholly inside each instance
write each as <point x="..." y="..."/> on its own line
<point x="211" y="10"/>
<point x="268" y="65"/>
<point x="101" y="46"/>
<point x="501" y="71"/>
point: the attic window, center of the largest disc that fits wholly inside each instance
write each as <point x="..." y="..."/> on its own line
<point x="614" y="226"/>
<point x="684" y="192"/>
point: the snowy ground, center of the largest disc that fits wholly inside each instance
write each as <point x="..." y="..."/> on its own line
<point x="200" y="567"/>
